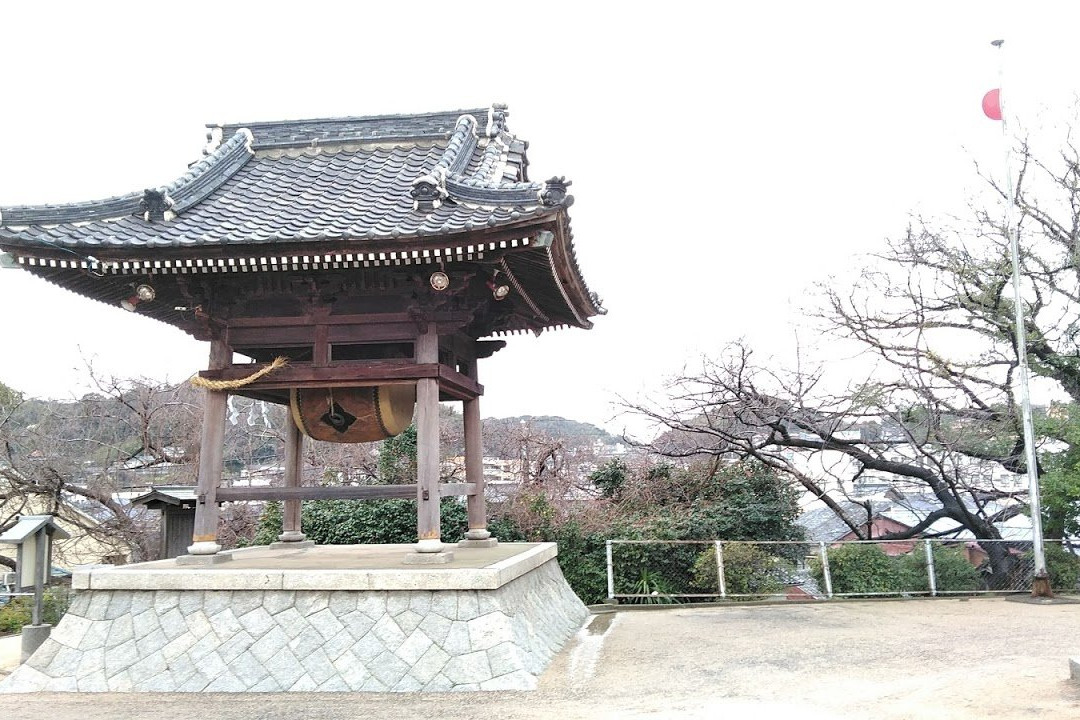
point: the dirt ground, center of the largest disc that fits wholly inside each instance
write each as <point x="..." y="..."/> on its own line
<point x="890" y="660"/>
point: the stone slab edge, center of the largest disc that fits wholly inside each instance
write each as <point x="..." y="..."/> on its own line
<point x="224" y="578"/>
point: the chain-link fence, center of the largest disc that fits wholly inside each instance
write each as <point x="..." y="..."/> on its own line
<point x="659" y="571"/>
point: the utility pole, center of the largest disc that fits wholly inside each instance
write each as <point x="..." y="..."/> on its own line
<point x="1040" y="586"/>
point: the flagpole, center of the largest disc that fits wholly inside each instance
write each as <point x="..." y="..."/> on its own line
<point x="1040" y="586"/>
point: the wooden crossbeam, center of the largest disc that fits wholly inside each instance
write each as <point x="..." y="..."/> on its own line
<point x="340" y="492"/>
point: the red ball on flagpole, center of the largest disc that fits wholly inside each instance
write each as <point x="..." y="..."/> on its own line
<point x="992" y="104"/>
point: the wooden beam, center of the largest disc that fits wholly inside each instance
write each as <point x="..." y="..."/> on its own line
<point x="337" y="492"/>
<point x="457" y="489"/>
<point x="382" y="372"/>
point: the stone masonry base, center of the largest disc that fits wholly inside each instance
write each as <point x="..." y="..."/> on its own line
<point x="307" y="640"/>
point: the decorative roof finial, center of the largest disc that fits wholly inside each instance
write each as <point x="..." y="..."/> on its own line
<point x="156" y="205"/>
<point x="497" y="115"/>
<point x="553" y="192"/>
<point x="429" y="191"/>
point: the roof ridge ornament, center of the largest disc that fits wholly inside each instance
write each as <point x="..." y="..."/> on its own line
<point x="156" y="205"/>
<point x="429" y="191"/>
<point x="553" y="192"/>
<point x="497" y="115"/>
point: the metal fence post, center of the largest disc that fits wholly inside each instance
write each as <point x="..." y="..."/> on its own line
<point x="610" y="574"/>
<point x="930" y="572"/>
<point x="825" y="570"/>
<point x="720" y="568"/>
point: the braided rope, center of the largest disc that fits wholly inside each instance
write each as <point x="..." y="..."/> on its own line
<point x="230" y="384"/>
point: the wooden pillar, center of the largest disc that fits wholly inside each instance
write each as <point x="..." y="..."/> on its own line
<point x="211" y="449"/>
<point x="427" y="447"/>
<point x="474" y="467"/>
<point x="294" y="462"/>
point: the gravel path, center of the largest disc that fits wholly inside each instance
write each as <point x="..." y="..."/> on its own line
<point x="944" y="659"/>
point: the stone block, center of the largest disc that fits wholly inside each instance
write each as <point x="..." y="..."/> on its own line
<point x="71" y="631"/>
<point x="468" y="668"/>
<point x="445" y="604"/>
<point x="388" y="669"/>
<point x="505" y="658"/>
<point x="144" y="623"/>
<point x="420" y="602"/>
<point x="335" y="684"/>
<point x="310" y="602"/>
<point x="517" y="680"/>
<point x="435" y="627"/>
<point x="489" y="630"/>
<point x="165" y="600"/>
<point x="245" y="602"/>
<point x="408" y="684"/>
<point x="342" y="602"/>
<point x="178" y="646"/>
<point x="269" y="645"/>
<point x="268" y="684"/>
<point x="429" y="665"/>
<point x="99" y="605"/>
<point x="224" y="624"/>
<point x="304" y="684"/>
<point x="388" y="633"/>
<point x="92" y="682"/>
<point x="190" y="601"/>
<point x="235" y="646"/>
<point x="257" y="622"/>
<point x="284" y="667"/>
<point x="173" y="623"/>
<point x="306" y="642"/>
<point x="368" y="648"/>
<point x="148" y="667"/>
<point x="468" y="606"/>
<point x="91" y="661"/>
<point x="215" y="601"/>
<point x="325" y="622"/>
<point x="356" y="623"/>
<point x="457" y="639"/>
<point x="195" y="683"/>
<point x="397" y="603"/>
<point x="226" y="682"/>
<point x="439" y="683"/>
<point x="318" y="666"/>
<point x="352" y="670"/>
<point x="291" y="621"/>
<point x="249" y="669"/>
<point x="119" y="605"/>
<point x="120" y="682"/>
<point x="119" y="658"/>
<point x="334" y="647"/>
<point x="152" y="643"/>
<point x="373" y="604"/>
<point x="408" y="621"/>
<point x="44" y="654"/>
<point x="414" y="646"/>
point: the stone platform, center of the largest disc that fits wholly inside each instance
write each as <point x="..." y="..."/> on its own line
<point x="324" y="618"/>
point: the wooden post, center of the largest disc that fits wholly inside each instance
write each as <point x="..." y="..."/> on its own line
<point x="294" y="462"/>
<point x="477" y="535"/>
<point x="211" y="449"/>
<point x="427" y="447"/>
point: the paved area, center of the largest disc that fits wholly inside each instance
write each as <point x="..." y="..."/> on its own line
<point x="946" y="659"/>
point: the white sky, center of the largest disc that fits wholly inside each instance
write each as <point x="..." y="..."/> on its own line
<point x="723" y="159"/>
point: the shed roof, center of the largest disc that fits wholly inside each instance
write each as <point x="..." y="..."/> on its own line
<point x="30" y="524"/>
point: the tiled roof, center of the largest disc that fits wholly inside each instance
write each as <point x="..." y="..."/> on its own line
<point x="241" y="194"/>
<point x="340" y="185"/>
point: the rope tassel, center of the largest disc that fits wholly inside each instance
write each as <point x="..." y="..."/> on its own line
<point x="202" y="382"/>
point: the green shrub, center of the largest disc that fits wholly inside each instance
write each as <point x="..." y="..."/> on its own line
<point x="1063" y="567"/>
<point x="859" y="569"/>
<point x="353" y="522"/>
<point x="749" y="570"/>
<point x="19" y="612"/>
<point x="952" y="571"/>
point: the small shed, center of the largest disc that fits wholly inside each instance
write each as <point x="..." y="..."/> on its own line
<point x="177" y="506"/>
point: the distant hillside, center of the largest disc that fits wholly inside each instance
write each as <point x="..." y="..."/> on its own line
<point x="554" y="426"/>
